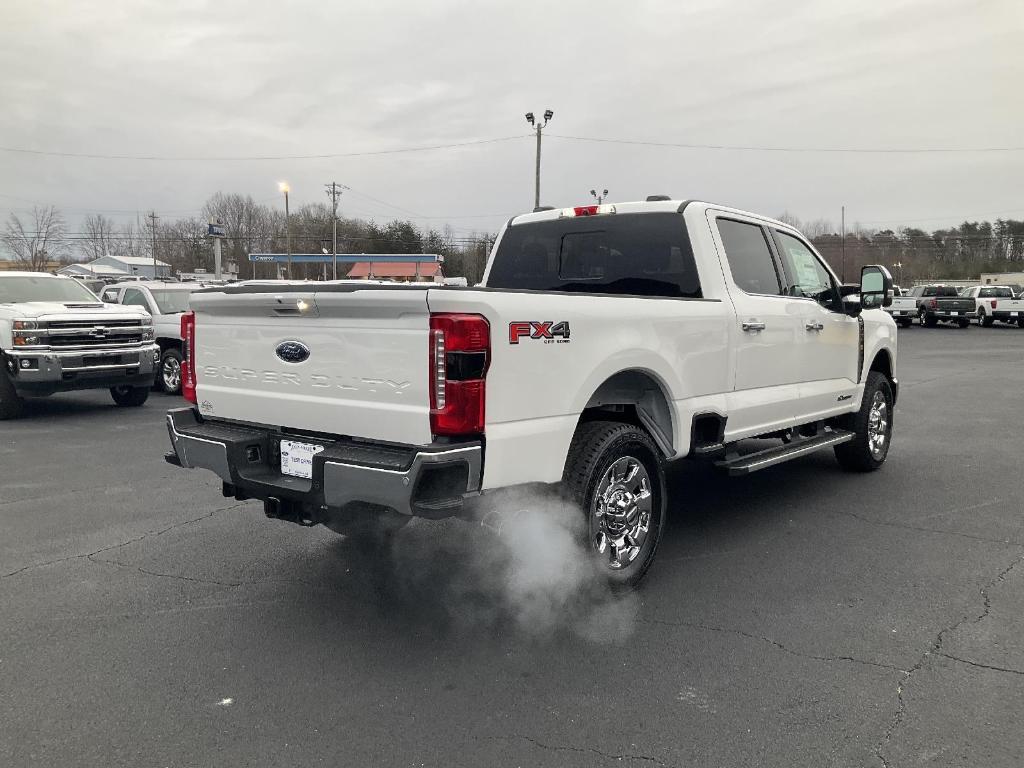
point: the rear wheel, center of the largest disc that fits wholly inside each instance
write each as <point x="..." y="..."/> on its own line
<point x="129" y="397"/>
<point x="871" y="427"/>
<point x="963" y="323"/>
<point x="11" y="405"/>
<point x="1020" y="322"/>
<point x="928" y="321"/>
<point x="615" y="474"/>
<point x="985" y="320"/>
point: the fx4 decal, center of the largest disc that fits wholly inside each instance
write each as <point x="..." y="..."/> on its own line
<point x="548" y="331"/>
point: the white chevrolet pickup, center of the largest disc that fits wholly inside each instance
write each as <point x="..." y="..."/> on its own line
<point x="603" y="342"/>
<point x="56" y="336"/>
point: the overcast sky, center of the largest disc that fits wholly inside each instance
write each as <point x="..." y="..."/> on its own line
<point x="227" y="79"/>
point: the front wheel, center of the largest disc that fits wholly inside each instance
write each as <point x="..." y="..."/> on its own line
<point x="615" y="474"/>
<point x="169" y="377"/>
<point x="871" y="427"/>
<point x="129" y="397"/>
<point x="11" y="404"/>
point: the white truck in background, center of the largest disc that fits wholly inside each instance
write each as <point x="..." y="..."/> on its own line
<point x="603" y="342"/>
<point x="56" y="336"/>
<point x="996" y="302"/>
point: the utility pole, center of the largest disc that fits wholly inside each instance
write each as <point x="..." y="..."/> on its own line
<point x="601" y="197"/>
<point x="152" y="225"/>
<point x="538" y="126"/>
<point x="283" y="186"/>
<point x="843" y="225"/>
<point x="334" y="192"/>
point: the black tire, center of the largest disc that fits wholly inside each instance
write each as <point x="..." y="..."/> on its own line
<point x="11" y="404"/>
<point x="857" y="455"/>
<point x="596" y="447"/>
<point x="1020" y="322"/>
<point x="985" y="320"/>
<point x="129" y="397"/>
<point x="929" y="321"/>
<point x="168" y="375"/>
<point x="963" y="323"/>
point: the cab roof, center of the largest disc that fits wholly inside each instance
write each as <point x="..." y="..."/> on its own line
<point x="638" y="206"/>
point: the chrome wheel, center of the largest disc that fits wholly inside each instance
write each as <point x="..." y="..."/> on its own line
<point x="878" y="425"/>
<point x="171" y="373"/>
<point x="621" y="514"/>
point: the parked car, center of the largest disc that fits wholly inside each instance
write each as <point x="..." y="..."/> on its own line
<point x="603" y="342"/>
<point x="996" y="302"/>
<point x="165" y="302"/>
<point x="942" y="303"/>
<point x="56" y="336"/>
<point x="903" y="308"/>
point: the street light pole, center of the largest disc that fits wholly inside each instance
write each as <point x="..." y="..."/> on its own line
<point x="538" y="126"/>
<point x="334" y="192"/>
<point x="283" y="186"/>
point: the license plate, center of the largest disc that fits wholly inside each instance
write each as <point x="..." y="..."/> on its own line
<point x="1013" y="314"/>
<point x="954" y="314"/>
<point x="297" y="458"/>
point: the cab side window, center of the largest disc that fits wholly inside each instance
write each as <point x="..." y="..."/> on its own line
<point x="750" y="257"/>
<point x="110" y="295"/>
<point x="135" y="297"/>
<point x="808" y="278"/>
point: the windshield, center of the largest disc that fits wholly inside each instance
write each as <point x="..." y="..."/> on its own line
<point x="15" y="289"/>
<point x="995" y="293"/>
<point x="169" y="302"/>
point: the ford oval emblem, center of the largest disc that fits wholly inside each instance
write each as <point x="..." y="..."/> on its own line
<point x="292" y="351"/>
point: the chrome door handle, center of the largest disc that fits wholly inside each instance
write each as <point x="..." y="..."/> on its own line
<point x="752" y="327"/>
<point x="815" y="326"/>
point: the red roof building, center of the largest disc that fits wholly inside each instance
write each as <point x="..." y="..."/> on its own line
<point x="396" y="270"/>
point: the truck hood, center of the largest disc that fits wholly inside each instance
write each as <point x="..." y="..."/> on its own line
<point x="37" y="309"/>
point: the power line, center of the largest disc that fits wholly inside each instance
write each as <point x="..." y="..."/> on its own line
<point x="753" y="148"/>
<point x="231" y="158"/>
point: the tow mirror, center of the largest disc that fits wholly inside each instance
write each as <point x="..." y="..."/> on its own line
<point x="875" y="287"/>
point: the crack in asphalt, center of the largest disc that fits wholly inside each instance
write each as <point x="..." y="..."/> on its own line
<point x="580" y="750"/>
<point x="922" y="529"/>
<point x="140" y="569"/>
<point x="982" y="666"/>
<point x="133" y="540"/>
<point x="769" y="641"/>
<point x="934" y="649"/>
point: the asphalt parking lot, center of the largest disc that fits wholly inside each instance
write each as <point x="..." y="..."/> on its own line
<point x="800" y="616"/>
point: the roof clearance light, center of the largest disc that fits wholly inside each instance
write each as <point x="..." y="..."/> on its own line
<point x="587" y="210"/>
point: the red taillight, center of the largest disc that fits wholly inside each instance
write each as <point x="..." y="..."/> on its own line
<point x="188" y="348"/>
<point x="994" y="303"/>
<point x="585" y="210"/>
<point x="460" y="351"/>
<point x="934" y="304"/>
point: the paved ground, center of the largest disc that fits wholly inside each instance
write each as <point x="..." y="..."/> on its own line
<point x="801" y="616"/>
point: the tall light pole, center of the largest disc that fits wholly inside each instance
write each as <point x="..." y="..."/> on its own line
<point x="152" y="219"/>
<point x="538" y="126"/>
<point x="600" y="198"/>
<point x="334" y="192"/>
<point x="283" y="186"/>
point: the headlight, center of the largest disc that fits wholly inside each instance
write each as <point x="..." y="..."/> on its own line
<point x="26" y="339"/>
<point x="25" y="325"/>
<point x="147" y="320"/>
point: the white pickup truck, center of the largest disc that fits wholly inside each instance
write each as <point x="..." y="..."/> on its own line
<point x="903" y="308"/>
<point x="996" y="302"/>
<point x="56" y="336"/>
<point x="603" y="342"/>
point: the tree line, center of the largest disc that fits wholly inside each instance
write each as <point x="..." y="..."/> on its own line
<point x="37" y="240"/>
<point x="42" y="237"/>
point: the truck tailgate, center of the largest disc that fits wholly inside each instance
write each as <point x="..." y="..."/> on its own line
<point x="357" y="363"/>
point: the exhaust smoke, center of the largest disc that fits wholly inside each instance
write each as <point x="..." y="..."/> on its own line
<point x="525" y="565"/>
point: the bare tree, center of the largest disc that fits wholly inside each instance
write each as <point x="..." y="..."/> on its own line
<point x="42" y="241"/>
<point x="100" y="236"/>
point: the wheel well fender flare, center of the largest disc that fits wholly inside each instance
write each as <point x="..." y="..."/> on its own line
<point x="647" y="394"/>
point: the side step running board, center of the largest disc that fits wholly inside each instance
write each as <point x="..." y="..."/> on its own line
<point x="744" y="465"/>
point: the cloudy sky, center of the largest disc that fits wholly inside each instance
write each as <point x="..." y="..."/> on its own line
<point x="225" y="80"/>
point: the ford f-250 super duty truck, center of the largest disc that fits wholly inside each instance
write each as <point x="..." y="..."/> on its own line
<point x="996" y="302"/>
<point x="942" y="303"/>
<point x="603" y="342"/>
<point x="56" y="336"/>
